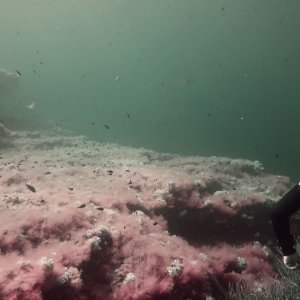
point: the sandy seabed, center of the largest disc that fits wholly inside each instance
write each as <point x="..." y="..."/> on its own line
<point x="85" y="220"/>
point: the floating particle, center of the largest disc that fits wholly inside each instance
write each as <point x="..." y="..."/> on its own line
<point x="118" y="77"/>
<point x="106" y="126"/>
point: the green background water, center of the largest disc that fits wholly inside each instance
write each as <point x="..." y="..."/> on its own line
<point x="194" y="77"/>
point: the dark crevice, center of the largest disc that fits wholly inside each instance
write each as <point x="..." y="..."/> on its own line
<point x="207" y="226"/>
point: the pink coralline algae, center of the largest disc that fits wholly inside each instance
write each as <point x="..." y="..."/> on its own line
<point x="111" y="222"/>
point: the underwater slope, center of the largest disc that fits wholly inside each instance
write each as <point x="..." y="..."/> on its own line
<point x="83" y="220"/>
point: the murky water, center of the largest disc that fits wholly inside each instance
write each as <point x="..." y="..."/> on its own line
<point x="188" y="77"/>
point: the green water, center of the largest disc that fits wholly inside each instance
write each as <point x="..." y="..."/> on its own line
<point x="194" y="77"/>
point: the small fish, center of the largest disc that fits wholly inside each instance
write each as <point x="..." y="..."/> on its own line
<point x="106" y="126"/>
<point x="81" y="206"/>
<point x="19" y="73"/>
<point x="31" y="106"/>
<point x="128" y="115"/>
<point x="30" y="187"/>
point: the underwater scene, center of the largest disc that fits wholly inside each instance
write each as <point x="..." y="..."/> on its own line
<point x="143" y="147"/>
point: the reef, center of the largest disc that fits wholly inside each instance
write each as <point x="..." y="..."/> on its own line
<point x="85" y="220"/>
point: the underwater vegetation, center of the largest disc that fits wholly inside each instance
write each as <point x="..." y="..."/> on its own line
<point x="85" y="220"/>
<point x="287" y="288"/>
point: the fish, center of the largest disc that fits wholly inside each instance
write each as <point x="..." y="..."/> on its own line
<point x="31" y="106"/>
<point x="30" y="187"/>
